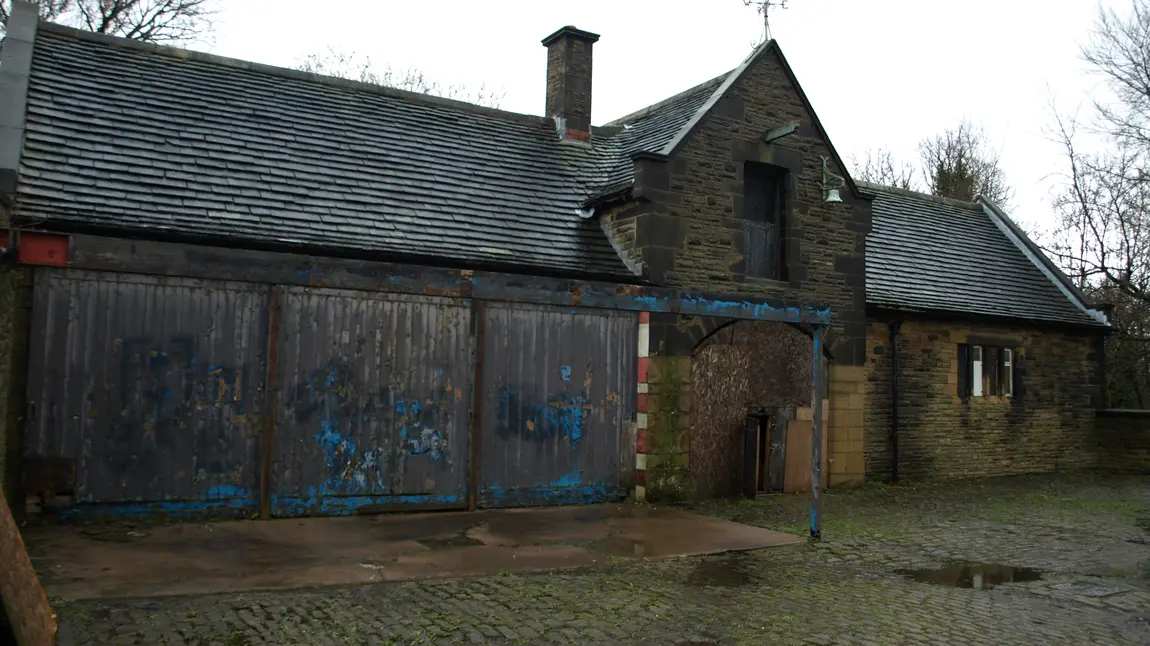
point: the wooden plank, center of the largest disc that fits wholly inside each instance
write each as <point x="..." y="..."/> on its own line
<point x="751" y="456"/>
<point x="25" y="603"/>
<point x="797" y="477"/>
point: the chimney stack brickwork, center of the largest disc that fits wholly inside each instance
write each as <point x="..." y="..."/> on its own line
<point x="569" y="80"/>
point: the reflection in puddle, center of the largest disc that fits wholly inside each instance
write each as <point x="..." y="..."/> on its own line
<point x="718" y="573"/>
<point x="973" y="575"/>
<point x="444" y="542"/>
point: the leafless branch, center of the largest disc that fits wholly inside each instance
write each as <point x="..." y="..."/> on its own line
<point x="355" y="67"/>
<point x="157" y="21"/>
<point x="880" y="167"/>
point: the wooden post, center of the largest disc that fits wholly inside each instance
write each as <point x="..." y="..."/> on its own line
<point x="818" y="378"/>
<point x="475" y="432"/>
<point x="271" y="393"/>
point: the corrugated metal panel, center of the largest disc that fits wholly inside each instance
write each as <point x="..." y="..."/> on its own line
<point x="152" y="385"/>
<point x="559" y="384"/>
<point x="373" y="408"/>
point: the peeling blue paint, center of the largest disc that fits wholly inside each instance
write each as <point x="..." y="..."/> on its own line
<point x="228" y="491"/>
<point x="312" y="504"/>
<point x="565" y="373"/>
<point x="588" y="494"/>
<point x="227" y="508"/>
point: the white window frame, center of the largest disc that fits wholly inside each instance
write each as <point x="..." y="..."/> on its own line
<point x="976" y="370"/>
<point x="1008" y="372"/>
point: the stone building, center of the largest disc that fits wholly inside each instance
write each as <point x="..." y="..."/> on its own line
<point x="230" y="286"/>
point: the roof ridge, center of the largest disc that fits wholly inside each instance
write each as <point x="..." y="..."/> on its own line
<point x="642" y="112"/>
<point x="906" y="192"/>
<point x="285" y="72"/>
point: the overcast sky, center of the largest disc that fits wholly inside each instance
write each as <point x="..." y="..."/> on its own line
<point x="880" y="73"/>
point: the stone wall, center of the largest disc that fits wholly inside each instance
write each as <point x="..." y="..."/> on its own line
<point x="685" y="227"/>
<point x="1047" y="428"/>
<point x="686" y="223"/>
<point x="1123" y="441"/>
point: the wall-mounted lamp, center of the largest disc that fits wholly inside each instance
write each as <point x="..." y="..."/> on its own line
<point x="832" y="192"/>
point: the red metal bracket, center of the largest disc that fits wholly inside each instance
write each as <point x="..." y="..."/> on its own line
<point x="34" y="248"/>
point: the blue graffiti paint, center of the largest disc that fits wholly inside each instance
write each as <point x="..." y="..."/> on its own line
<point x="565" y="373"/>
<point x="572" y="479"/>
<point x="216" y="492"/>
<point x="565" y="413"/>
<point x="342" y="407"/>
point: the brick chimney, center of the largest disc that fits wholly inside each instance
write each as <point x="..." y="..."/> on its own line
<point x="569" y="81"/>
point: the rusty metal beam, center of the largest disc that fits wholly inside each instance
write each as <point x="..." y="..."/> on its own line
<point x="818" y="379"/>
<point x="271" y="392"/>
<point x="174" y="259"/>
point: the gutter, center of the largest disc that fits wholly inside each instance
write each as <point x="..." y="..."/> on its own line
<point x="894" y="328"/>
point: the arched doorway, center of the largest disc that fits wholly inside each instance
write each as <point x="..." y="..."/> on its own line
<point x="743" y="365"/>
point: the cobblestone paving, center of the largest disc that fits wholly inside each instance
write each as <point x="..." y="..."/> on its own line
<point x="1089" y="535"/>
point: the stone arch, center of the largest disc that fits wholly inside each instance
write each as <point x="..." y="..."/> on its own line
<point x="738" y="365"/>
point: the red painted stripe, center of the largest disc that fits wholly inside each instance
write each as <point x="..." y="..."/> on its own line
<point x="641" y="404"/>
<point x="643" y="361"/>
<point x="641" y="441"/>
<point x="644" y="317"/>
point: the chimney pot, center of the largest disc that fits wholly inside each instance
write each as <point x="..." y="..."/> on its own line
<point x="569" y="81"/>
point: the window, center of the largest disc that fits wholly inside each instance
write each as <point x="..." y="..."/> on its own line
<point x="987" y="370"/>
<point x="764" y="208"/>
<point x="976" y="370"/>
<point x="1007" y="372"/>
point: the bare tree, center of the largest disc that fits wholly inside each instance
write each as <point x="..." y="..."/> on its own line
<point x="959" y="163"/>
<point x="156" y="21"/>
<point x="880" y="167"/>
<point x="1103" y="197"/>
<point x="350" y="65"/>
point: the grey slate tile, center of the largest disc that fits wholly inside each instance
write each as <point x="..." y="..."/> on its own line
<point x="923" y="253"/>
<point x="264" y="157"/>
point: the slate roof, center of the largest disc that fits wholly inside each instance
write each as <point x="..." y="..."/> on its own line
<point x="133" y="136"/>
<point x="649" y="130"/>
<point x="928" y="253"/>
<point x="136" y="137"/>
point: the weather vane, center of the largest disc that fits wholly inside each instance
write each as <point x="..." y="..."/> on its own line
<point x="764" y="7"/>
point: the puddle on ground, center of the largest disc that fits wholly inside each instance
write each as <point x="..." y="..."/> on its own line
<point x="444" y="542"/>
<point x="978" y="576"/>
<point x="616" y="546"/>
<point x="718" y="573"/>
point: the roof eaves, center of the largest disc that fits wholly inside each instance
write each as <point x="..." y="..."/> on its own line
<point x="285" y="72"/>
<point x="1033" y="253"/>
<point x="890" y="308"/>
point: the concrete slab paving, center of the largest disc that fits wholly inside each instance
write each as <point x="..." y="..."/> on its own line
<point x="138" y="560"/>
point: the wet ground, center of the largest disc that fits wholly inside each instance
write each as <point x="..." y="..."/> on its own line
<point x="135" y="560"/>
<point x="1032" y="560"/>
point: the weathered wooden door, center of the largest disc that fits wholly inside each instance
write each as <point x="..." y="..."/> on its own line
<point x="374" y="401"/>
<point x="558" y="390"/>
<point x="151" y="387"/>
